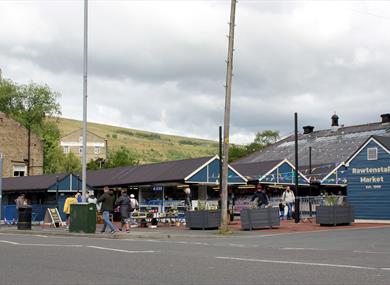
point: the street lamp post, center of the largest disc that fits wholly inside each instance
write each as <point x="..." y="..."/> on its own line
<point x="296" y="169"/>
<point x="85" y="97"/>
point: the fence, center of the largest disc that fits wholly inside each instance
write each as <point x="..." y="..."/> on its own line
<point x="10" y="214"/>
<point x="307" y="204"/>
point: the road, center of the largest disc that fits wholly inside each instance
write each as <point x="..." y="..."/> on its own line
<point x="332" y="257"/>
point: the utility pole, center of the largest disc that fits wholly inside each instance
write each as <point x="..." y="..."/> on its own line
<point x="228" y="95"/>
<point x="1" y="185"/>
<point x="85" y="97"/>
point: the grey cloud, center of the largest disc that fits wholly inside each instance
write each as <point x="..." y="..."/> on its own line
<point x="156" y="74"/>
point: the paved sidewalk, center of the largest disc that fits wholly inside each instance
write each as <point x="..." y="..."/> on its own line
<point x="166" y="231"/>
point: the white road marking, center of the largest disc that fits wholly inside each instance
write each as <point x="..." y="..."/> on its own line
<point x="52" y="245"/>
<point x="39" y="244"/>
<point x="301" y="248"/>
<point x="9" y="242"/>
<point x="122" y="250"/>
<point x="305" y="232"/>
<point x="372" y="252"/>
<point x="301" y="263"/>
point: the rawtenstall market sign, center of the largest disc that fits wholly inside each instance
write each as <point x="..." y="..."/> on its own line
<point x="373" y="176"/>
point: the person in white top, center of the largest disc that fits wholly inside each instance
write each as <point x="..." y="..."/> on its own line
<point x="134" y="206"/>
<point x="288" y="198"/>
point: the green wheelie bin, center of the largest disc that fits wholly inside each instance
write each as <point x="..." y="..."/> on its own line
<point x="83" y="218"/>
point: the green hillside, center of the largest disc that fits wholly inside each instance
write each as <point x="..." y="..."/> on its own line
<point x="148" y="146"/>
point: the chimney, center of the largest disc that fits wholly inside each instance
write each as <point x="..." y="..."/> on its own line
<point x="335" y="120"/>
<point x="308" y="130"/>
<point x="385" y="118"/>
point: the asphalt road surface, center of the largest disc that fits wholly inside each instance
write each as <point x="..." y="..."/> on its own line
<point x="332" y="257"/>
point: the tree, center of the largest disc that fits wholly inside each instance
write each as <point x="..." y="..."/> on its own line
<point x="29" y="104"/>
<point x="261" y="140"/>
<point x="96" y="164"/>
<point x="236" y="152"/>
<point x="121" y="157"/>
<point x="71" y="163"/>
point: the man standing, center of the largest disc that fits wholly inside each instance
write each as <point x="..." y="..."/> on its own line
<point x="261" y="196"/>
<point x="107" y="200"/>
<point x="288" y="198"/>
<point x="124" y="205"/>
<point x="20" y="201"/>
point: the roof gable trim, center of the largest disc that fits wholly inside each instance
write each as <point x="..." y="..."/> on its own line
<point x="370" y="139"/>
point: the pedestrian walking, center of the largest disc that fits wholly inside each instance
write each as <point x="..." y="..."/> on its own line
<point x="281" y="209"/>
<point x="123" y="202"/>
<point x="69" y="201"/>
<point x="107" y="200"/>
<point x="134" y="206"/>
<point x="288" y="198"/>
<point x="261" y="197"/>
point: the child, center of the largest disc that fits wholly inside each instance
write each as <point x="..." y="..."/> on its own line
<point x="281" y="210"/>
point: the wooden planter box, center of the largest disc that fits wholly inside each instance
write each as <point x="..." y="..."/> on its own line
<point x="203" y="219"/>
<point x="258" y="218"/>
<point x="334" y="215"/>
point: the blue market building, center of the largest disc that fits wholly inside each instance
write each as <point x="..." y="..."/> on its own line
<point x="368" y="177"/>
<point x="157" y="185"/>
<point x="43" y="191"/>
<point x="323" y="157"/>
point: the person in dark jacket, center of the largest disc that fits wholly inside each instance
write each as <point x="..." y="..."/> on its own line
<point x="107" y="207"/>
<point x="124" y="205"/>
<point x="261" y="196"/>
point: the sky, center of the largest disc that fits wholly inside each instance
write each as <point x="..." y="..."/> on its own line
<point x="160" y="65"/>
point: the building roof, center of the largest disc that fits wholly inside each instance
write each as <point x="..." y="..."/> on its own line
<point x="255" y="169"/>
<point x="80" y="131"/>
<point x="171" y="171"/>
<point x="39" y="182"/>
<point x="385" y="141"/>
<point x="328" y="146"/>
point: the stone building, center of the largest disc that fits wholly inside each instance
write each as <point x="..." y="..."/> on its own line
<point x="96" y="145"/>
<point x="14" y="147"/>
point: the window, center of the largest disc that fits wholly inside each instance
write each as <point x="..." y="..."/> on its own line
<point x="372" y="153"/>
<point x="19" y="170"/>
<point x="66" y="149"/>
<point x="96" y="150"/>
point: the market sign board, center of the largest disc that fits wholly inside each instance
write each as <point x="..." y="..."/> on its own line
<point x="372" y="177"/>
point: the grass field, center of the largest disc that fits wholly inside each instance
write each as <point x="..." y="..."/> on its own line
<point x="148" y="147"/>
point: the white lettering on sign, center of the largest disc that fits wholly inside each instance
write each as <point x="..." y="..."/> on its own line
<point x="371" y="170"/>
<point x="373" y="186"/>
<point x="372" y="179"/>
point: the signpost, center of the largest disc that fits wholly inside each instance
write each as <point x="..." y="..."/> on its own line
<point x="52" y="217"/>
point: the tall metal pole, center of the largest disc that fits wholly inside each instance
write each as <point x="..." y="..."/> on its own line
<point x="85" y="97"/>
<point x="220" y="158"/>
<point x="1" y="185"/>
<point x="228" y="95"/>
<point x="296" y="169"/>
<point x="57" y="188"/>
<point x="310" y="204"/>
